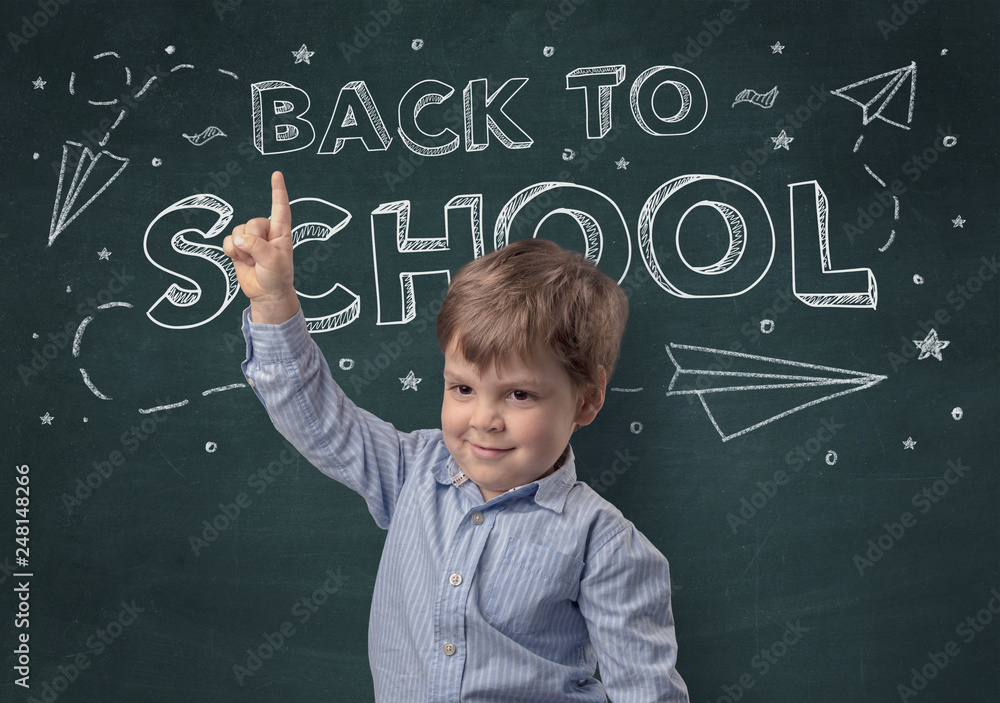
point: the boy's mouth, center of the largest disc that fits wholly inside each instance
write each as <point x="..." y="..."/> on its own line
<point x="482" y="452"/>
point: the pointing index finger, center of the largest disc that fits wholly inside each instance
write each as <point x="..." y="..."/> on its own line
<point x="281" y="212"/>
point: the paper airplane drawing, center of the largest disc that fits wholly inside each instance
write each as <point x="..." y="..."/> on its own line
<point x="745" y="388"/>
<point x="100" y="171"/>
<point x="877" y="106"/>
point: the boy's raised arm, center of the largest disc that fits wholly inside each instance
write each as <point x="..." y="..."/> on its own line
<point x="261" y="250"/>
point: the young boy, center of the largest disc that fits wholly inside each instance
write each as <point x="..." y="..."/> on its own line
<point x="503" y="578"/>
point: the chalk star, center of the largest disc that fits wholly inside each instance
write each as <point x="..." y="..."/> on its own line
<point x="39" y="84"/>
<point x="302" y="54"/>
<point x="782" y="141"/>
<point x="410" y="381"/>
<point x="104" y="254"/>
<point x="931" y="346"/>
<point x="908" y="443"/>
<point x="622" y="164"/>
<point x="776" y="48"/>
<point x="46" y="419"/>
<point x="958" y="222"/>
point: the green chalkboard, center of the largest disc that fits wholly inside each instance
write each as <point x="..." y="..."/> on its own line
<point x="800" y="200"/>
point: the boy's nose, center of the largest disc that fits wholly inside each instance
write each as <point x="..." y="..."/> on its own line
<point x="486" y="418"/>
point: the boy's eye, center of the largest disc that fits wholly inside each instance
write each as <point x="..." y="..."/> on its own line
<point x="520" y="395"/>
<point x="463" y="390"/>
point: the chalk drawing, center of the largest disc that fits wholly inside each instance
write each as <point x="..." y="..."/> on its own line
<point x="694" y="376"/>
<point x="918" y="279"/>
<point x="957" y="413"/>
<point x="626" y="390"/>
<point x="870" y="173"/>
<point x="867" y="298"/>
<point x="346" y="364"/>
<point x="949" y="141"/>
<point x="210" y="447"/>
<point x="782" y="141"/>
<point x="220" y="389"/>
<point x="766" y="326"/>
<point x="46" y="419"/>
<point x="548" y="51"/>
<point x="39" y="83"/>
<point x="908" y="443"/>
<point x="761" y="100"/>
<point x="875" y="107"/>
<point x="621" y="164"/>
<point x="206" y="135"/>
<point x="105" y="167"/>
<point x="892" y="236"/>
<point x="93" y="389"/>
<point x="931" y="346"/>
<point x="568" y="155"/>
<point x="410" y="381"/>
<point x="598" y="103"/>
<point x="857" y="144"/>
<point x="417" y="44"/>
<point x="158" y="408"/>
<point x="356" y="95"/>
<point x="302" y="54"/>
<point x="777" y="47"/>
<point x="830" y="458"/>
<point x="104" y="254"/>
<point x="693" y="102"/>
<point x="156" y="162"/>
<point x="635" y="427"/>
<point x="958" y="222"/>
<point x="170" y="49"/>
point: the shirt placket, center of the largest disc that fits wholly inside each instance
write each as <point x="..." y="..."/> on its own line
<point x="459" y="569"/>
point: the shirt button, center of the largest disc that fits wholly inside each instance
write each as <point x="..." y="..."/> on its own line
<point x="448" y="648"/>
<point x="455" y="579"/>
<point x="477" y="518"/>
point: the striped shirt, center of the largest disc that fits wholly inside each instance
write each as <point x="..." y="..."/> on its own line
<point x="513" y="599"/>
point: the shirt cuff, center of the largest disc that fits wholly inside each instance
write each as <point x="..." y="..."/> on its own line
<point x="271" y="343"/>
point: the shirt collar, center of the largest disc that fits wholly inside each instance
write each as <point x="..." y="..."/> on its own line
<point x="552" y="490"/>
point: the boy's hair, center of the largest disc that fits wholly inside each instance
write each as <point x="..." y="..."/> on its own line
<point x="532" y="296"/>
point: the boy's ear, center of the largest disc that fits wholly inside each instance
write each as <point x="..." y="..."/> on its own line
<point x="592" y="402"/>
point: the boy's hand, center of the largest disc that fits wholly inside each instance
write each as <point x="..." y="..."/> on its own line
<point x="261" y="250"/>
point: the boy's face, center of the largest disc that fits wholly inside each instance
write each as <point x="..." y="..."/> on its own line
<point x="507" y="429"/>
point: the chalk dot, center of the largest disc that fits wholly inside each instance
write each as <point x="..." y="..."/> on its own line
<point x="210" y="447"/>
<point x="86" y="419"/>
<point x="157" y="161"/>
<point x="69" y="289"/>
<point x="346" y="364"/>
<point x="171" y="49"/>
<point x="35" y="335"/>
<point x="35" y="156"/>
<point x="568" y="155"/>
<point x="918" y="279"/>
<point x="548" y="51"/>
<point x="767" y="326"/>
<point x="831" y="457"/>
<point x="949" y="141"/>
<point x="417" y="44"/>
<point x="635" y="427"/>
<point x="957" y="413"/>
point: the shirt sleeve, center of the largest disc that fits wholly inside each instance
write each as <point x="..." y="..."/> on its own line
<point x="290" y="376"/>
<point x="625" y="599"/>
